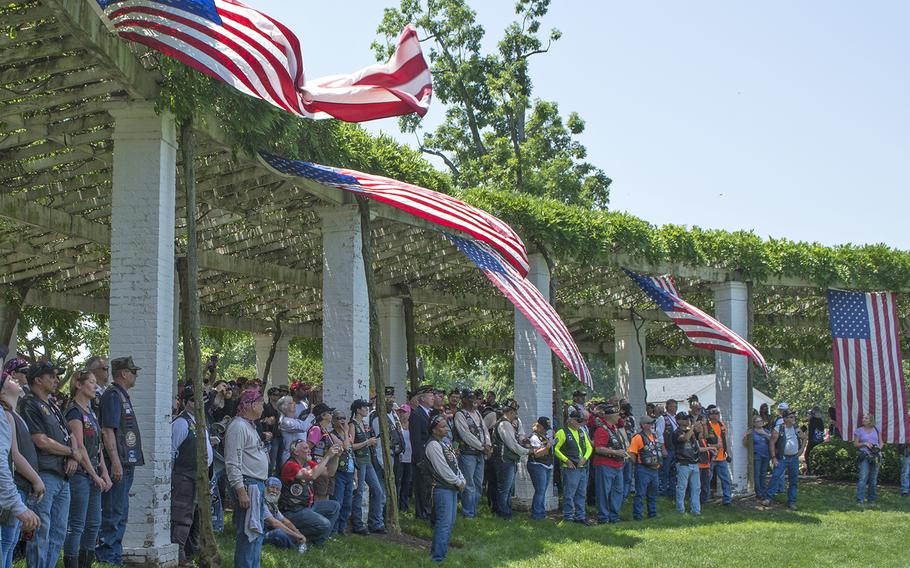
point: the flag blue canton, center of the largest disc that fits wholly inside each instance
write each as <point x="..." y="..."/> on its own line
<point x="311" y="171"/>
<point x="202" y="8"/>
<point x="848" y="314"/>
<point x="480" y="257"/>
<point x="659" y="296"/>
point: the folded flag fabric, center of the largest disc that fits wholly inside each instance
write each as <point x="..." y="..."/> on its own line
<point x="701" y="329"/>
<point x="438" y="208"/>
<point x="261" y="57"/>
<point x="529" y="301"/>
<point x="867" y="363"/>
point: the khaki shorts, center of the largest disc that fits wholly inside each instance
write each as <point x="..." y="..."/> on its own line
<point x="324" y="487"/>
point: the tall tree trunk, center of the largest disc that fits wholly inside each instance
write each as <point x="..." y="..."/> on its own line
<point x="391" y="521"/>
<point x="276" y="335"/>
<point x="410" y="338"/>
<point x="208" y="556"/>
<point x="10" y="309"/>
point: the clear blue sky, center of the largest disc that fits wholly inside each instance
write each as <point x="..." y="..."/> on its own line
<point x="788" y="118"/>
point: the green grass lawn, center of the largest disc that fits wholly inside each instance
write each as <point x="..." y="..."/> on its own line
<point x="828" y="530"/>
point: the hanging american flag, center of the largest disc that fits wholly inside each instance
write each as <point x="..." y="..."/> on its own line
<point x="433" y="206"/>
<point x="701" y="329"/>
<point x="529" y="301"/>
<point x="260" y="57"/>
<point x="867" y="363"/>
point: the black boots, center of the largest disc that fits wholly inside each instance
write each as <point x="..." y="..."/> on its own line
<point x="86" y="559"/>
<point x="70" y="562"/>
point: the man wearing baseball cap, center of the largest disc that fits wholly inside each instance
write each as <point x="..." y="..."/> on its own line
<point x="123" y="449"/>
<point x="57" y="460"/>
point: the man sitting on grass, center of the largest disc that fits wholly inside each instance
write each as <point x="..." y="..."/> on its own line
<point x="281" y="531"/>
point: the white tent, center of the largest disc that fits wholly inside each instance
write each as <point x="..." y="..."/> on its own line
<point x="702" y="386"/>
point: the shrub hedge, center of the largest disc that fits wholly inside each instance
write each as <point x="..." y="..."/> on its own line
<point x="836" y="460"/>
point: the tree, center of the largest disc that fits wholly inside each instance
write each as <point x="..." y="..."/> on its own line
<point x="494" y="132"/>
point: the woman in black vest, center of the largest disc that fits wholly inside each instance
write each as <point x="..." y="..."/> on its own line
<point x="448" y="482"/>
<point x="90" y="479"/>
<point x="24" y="460"/>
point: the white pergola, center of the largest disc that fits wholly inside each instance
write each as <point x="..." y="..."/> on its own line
<point x="92" y="220"/>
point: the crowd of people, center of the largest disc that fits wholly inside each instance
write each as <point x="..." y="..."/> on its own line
<point x="295" y="470"/>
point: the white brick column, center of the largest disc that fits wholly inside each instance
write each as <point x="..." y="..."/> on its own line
<point x="394" y="346"/>
<point x="732" y="378"/>
<point x="142" y="312"/>
<point x="533" y="378"/>
<point x="345" y="309"/>
<point x="630" y="379"/>
<point x="279" y="369"/>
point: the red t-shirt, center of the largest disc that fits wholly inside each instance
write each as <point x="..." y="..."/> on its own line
<point x="602" y="440"/>
<point x="289" y="475"/>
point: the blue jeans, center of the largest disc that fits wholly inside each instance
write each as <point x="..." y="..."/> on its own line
<point x="688" y="476"/>
<point x="721" y="470"/>
<point x="472" y="468"/>
<point x="608" y="489"/>
<point x="366" y="474"/>
<point x="574" y="491"/>
<point x="246" y="553"/>
<point x="115" y="509"/>
<point x="905" y="475"/>
<point x="628" y="480"/>
<point x="44" y="548"/>
<point x="760" y="474"/>
<point x="790" y="465"/>
<point x="668" y="475"/>
<point x="84" y="517"/>
<point x="646" y="482"/>
<point x="217" y="506"/>
<point x="445" y="509"/>
<point x="10" y="536"/>
<point x="279" y="539"/>
<point x="505" y="479"/>
<point x="541" y="477"/>
<point x="344" y="490"/>
<point x="316" y="522"/>
<point x="868" y="475"/>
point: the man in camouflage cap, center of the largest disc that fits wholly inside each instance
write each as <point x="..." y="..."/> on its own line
<point x="123" y="450"/>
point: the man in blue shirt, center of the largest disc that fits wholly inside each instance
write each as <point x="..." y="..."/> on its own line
<point x="123" y="450"/>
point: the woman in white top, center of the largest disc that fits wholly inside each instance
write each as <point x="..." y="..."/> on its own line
<point x="292" y="428"/>
<point x="405" y="481"/>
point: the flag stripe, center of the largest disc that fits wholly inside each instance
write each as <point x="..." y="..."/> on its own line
<point x="260" y="57"/>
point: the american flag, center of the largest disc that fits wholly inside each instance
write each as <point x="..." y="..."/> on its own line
<point x="529" y="301"/>
<point x="867" y="363"/>
<point x="702" y="330"/>
<point x="433" y="206"/>
<point x="259" y="56"/>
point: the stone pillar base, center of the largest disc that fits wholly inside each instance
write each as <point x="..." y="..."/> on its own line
<point x="524" y="492"/>
<point x="165" y="556"/>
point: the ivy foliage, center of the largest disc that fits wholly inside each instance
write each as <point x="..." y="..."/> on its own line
<point x="581" y="233"/>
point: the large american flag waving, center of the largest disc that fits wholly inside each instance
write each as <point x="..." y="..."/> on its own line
<point x="530" y="302"/>
<point x="867" y="363"/>
<point x="700" y="328"/>
<point x="438" y="208"/>
<point x="259" y="56"/>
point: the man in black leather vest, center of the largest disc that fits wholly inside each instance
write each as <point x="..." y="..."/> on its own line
<point x="123" y="450"/>
<point x="184" y="511"/>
